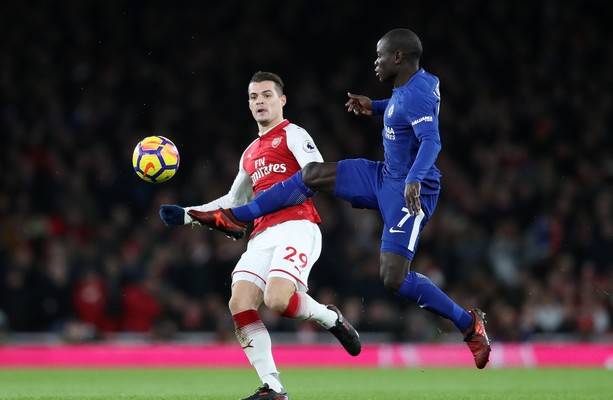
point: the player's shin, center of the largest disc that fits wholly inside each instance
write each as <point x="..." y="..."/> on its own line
<point x="257" y="345"/>
<point x="304" y="307"/>
<point x="419" y="288"/>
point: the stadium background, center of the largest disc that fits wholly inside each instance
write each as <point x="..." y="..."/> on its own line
<point x="524" y="227"/>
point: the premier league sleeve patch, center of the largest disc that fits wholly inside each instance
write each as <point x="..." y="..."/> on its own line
<point x="309" y="147"/>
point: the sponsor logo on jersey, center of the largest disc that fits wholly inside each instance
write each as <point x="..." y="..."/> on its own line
<point x="276" y="142"/>
<point x="389" y="133"/>
<point x="262" y="169"/>
<point x="422" y="119"/>
<point x="390" y="111"/>
<point x="309" y="147"/>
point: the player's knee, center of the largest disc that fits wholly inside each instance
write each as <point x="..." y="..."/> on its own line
<point x="394" y="268"/>
<point x="238" y="304"/>
<point x="233" y="306"/>
<point x="391" y="282"/>
<point x="319" y="176"/>
<point x="309" y="173"/>
<point x="276" y="301"/>
<point x="393" y="275"/>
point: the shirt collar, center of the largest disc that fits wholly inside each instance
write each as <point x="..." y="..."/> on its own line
<point x="277" y="127"/>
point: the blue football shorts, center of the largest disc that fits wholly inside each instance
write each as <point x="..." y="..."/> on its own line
<point x="362" y="183"/>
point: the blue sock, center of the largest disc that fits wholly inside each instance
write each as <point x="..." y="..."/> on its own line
<point x="290" y="192"/>
<point x="419" y="288"/>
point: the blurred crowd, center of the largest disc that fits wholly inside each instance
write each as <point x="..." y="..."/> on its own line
<point x="523" y="228"/>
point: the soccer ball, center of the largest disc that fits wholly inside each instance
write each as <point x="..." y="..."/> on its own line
<point x="155" y="159"/>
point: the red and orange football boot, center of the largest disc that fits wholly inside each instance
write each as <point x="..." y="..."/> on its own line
<point x="221" y="220"/>
<point x="476" y="338"/>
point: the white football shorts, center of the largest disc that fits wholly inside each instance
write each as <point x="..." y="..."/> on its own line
<point x="287" y="250"/>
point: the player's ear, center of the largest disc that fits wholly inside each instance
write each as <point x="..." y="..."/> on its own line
<point x="283" y="99"/>
<point x="398" y="56"/>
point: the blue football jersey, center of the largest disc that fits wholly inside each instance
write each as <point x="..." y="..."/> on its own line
<point x="410" y="122"/>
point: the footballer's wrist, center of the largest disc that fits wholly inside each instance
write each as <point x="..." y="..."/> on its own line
<point x="186" y="218"/>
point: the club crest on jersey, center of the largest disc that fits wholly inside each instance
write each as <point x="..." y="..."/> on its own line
<point x="276" y="142"/>
<point x="390" y="112"/>
<point x="309" y="147"/>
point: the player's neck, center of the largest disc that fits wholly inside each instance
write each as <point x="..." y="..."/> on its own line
<point x="264" y="128"/>
<point x="404" y="76"/>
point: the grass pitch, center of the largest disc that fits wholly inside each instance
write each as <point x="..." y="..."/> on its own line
<point x="308" y="384"/>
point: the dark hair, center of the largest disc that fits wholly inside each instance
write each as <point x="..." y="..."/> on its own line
<point x="404" y="40"/>
<point x="262" y="76"/>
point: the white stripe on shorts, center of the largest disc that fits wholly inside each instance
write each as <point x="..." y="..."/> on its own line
<point x="415" y="230"/>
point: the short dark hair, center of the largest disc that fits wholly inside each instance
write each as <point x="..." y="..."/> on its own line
<point x="406" y="41"/>
<point x="262" y="76"/>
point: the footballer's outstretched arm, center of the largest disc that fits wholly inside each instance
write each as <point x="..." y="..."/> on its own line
<point x="241" y="192"/>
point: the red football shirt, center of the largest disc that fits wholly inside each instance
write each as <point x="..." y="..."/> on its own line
<point x="272" y="158"/>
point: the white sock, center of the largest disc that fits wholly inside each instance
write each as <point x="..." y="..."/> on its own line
<point x="255" y="341"/>
<point x="273" y="382"/>
<point x="304" y="307"/>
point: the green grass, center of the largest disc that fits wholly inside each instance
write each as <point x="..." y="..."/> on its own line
<point x="308" y="384"/>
